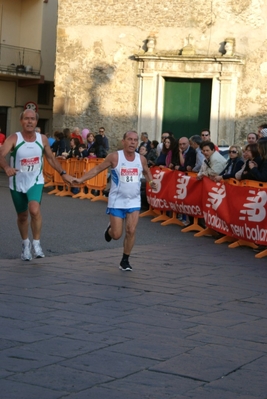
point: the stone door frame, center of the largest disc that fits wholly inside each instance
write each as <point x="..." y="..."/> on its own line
<point x="224" y="73"/>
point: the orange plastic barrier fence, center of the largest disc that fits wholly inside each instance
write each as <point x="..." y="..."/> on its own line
<point x="77" y="168"/>
<point x="61" y="188"/>
<point x="99" y="182"/>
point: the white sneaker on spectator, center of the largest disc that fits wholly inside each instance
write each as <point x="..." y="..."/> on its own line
<point x="37" y="250"/>
<point x="26" y="251"/>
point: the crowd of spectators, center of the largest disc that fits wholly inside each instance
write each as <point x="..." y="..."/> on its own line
<point x="195" y="154"/>
<point x="199" y="154"/>
<point x="79" y="144"/>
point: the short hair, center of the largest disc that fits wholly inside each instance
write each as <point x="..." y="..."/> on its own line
<point x="142" y="146"/>
<point x="263" y="126"/>
<point x="26" y="110"/>
<point x="255" y="134"/>
<point x="155" y="143"/>
<point x="144" y="134"/>
<point x="205" y="130"/>
<point x="102" y="128"/>
<point x="207" y="144"/>
<point x="66" y="132"/>
<point x="59" y="135"/>
<point x="130" y="131"/>
<point x="196" y="139"/>
<point x="169" y="133"/>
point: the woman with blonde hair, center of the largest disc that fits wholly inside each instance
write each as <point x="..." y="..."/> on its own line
<point x="233" y="165"/>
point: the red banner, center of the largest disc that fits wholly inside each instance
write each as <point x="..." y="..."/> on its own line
<point x="248" y="213"/>
<point x="175" y="192"/>
<point x="215" y="206"/>
<point x="233" y="210"/>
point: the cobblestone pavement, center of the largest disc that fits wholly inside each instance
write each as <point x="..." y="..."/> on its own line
<point x="188" y="322"/>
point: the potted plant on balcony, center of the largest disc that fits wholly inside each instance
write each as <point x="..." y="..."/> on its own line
<point x="21" y="68"/>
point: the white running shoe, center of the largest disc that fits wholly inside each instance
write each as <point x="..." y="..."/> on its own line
<point x="37" y="250"/>
<point x="26" y="253"/>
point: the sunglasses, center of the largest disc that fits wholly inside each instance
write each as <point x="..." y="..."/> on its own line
<point x="205" y="135"/>
<point x="232" y="151"/>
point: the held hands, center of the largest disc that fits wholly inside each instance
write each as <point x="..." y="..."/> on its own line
<point x="67" y="178"/>
<point x="153" y="184"/>
<point x="75" y="180"/>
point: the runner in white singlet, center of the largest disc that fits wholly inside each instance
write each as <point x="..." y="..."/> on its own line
<point x="26" y="180"/>
<point x="124" y="202"/>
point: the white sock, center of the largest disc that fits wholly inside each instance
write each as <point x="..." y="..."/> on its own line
<point x="35" y="242"/>
<point x="25" y="242"/>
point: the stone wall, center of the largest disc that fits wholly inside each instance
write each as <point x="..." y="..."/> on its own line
<point x="96" y="79"/>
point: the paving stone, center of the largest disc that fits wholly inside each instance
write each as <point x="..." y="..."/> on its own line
<point x="109" y="363"/>
<point x="188" y="322"/>
<point x="59" y="378"/>
<point x="21" y="359"/>
<point x="17" y="390"/>
<point x="207" y="363"/>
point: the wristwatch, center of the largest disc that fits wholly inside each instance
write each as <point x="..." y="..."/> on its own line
<point x="63" y="172"/>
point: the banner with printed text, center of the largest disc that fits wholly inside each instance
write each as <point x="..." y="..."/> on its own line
<point x="248" y="211"/>
<point x="175" y="192"/>
<point x="215" y="206"/>
<point x="233" y="210"/>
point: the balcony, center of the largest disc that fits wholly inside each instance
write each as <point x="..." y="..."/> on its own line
<point x="19" y="62"/>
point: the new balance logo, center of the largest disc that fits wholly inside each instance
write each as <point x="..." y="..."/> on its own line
<point x="216" y="196"/>
<point x="182" y="187"/>
<point x="254" y="209"/>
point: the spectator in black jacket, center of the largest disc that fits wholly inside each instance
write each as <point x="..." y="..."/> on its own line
<point x="259" y="171"/>
<point x="183" y="156"/>
<point x="233" y="165"/>
<point x="100" y="150"/>
<point x="251" y="153"/>
<point x="58" y="147"/>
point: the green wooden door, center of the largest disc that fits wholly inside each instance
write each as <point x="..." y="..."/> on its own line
<point x="186" y="106"/>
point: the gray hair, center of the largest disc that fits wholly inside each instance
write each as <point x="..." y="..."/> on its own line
<point x="130" y="131"/>
<point x="196" y="139"/>
<point x="26" y="110"/>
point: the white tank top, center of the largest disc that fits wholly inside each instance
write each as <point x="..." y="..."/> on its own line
<point x="27" y="157"/>
<point x="125" y="183"/>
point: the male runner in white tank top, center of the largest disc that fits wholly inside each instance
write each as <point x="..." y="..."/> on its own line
<point x="26" y="180"/>
<point x="124" y="202"/>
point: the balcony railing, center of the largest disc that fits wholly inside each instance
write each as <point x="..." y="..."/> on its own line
<point x="19" y="61"/>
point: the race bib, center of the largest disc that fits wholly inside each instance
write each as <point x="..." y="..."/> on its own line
<point x="129" y="175"/>
<point x="30" y="164"/>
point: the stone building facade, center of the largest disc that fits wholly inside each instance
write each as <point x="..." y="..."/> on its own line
<point x="27" y="61"/>
<point x="114" y="58"/>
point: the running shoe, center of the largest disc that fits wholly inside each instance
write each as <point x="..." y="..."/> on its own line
<point x="125" y="266"/>
<point x="37" y="250"/>
<point x="107" y="236"/>
<point x="26" y="251"/>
